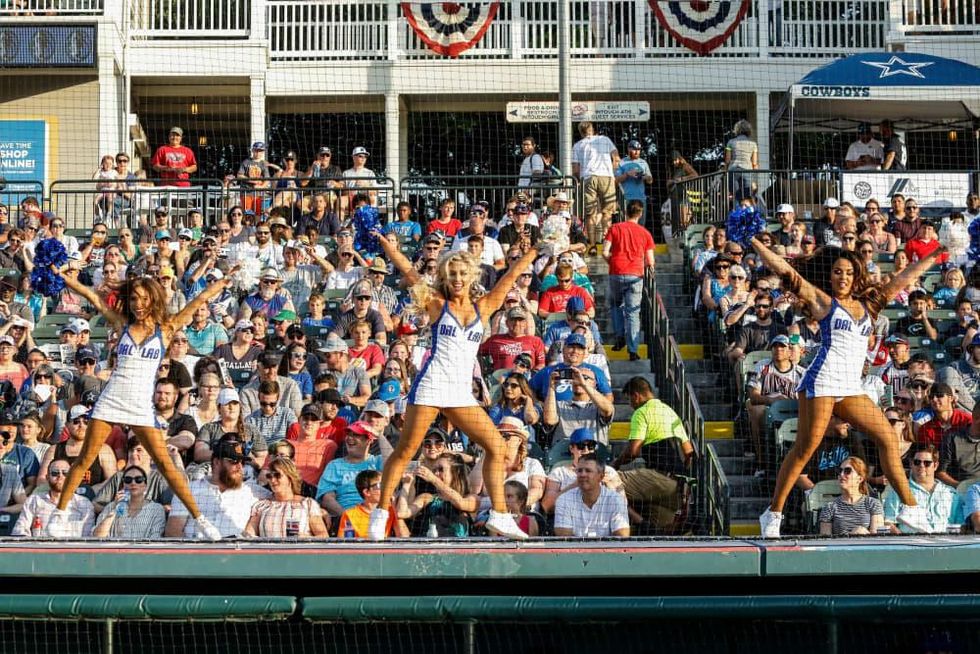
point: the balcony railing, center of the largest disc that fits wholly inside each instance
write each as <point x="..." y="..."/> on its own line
<point x="201" y="19"/>
<point x="942" y="16"/>
<point x="34" y="8"/>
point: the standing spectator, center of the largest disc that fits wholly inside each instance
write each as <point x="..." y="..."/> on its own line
<point x="224" y="498"/>
<point x="37" y="511"/>
<point x="359" y="176"/>
<point x="174" y="162"/>
<point x="324" y="173"/>
<point x="853" y="513"/>
<point x="336" y="490"/>
<point x="866" y="153"/>
<point x="680" y="171"/>
<point x="742" y="153"/>
<point x="131" y="516"/>
<point x="287" y="514"/>
<point x="629" y="250"/>
<point x="253" y="176"/>
<point x="591" y="510"/>
<point x="532" y="166"/>
<point x="896" y="155"/>
<point x="941" y="502"/>
<point x="594" y="161"/>
<point x="633" y="176"/>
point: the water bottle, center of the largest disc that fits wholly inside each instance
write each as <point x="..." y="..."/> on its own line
<point x="433" y="531"/>
<point x="349" y="531"/>
<point x="36" y="526"/>
<point x="123" y="506"/>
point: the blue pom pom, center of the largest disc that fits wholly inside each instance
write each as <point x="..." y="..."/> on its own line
<point x="744" y="223"/>
<point x="365" y="221"/>
<point x="49" y="252"/>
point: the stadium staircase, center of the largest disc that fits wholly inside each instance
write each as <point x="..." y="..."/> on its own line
<point x="712" y="380"/>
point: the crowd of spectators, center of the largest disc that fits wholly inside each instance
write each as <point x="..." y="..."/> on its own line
<point x="922" y="366"/>
<point x="283" y="397"/>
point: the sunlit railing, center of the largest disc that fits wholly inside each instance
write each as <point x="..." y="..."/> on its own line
<point x="925" y="16"/>
<point x="328" y="29"/>
<point x="203" y="19"/>
<point x="51" y="7"/>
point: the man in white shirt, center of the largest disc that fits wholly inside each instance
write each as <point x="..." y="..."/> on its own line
<point x="865" y="153"/>
<point x="594" y="160"/>
<point x="225" y="500"/>
<point x="532" y="167"/>
<point x="592" y="510"/>
<point x="35" y="518"/>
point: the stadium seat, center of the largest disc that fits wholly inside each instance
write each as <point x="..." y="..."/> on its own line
<point x="823" y="493"/>
<point x="786" y="435"/>
<point x="964" y="486"/>
<point x="780" y="411"/>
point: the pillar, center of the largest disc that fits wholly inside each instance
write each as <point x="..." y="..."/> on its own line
<point x="396" y="136"/>
<point x="257" y="96"/>
<point x="762" y="127"/>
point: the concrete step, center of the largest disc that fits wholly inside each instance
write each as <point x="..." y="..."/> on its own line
<point x="747" y="508"/>
<point x="717" y="412"/>
<point x="719" y="430"/>
<point x="746" y="486"/>
<point x="701" y="365"/>
<point x="744" y="528"/>
<point x="730" y="447"/>
<point x="705" y="379"/>
<point x="736" y="465"/>
<point x="629" y="367"/>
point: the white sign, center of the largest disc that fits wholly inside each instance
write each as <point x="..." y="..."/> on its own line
<point x="931" y="190"/>
<point x="599" y="112"/>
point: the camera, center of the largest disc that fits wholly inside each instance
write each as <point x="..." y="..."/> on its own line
<point x="566" y="373"/>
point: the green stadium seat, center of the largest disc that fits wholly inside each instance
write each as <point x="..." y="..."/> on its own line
<point x="786" y="435"/>
<point x="823" y="493"/>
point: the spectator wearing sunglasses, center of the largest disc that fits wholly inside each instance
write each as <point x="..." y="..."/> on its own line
<point x="132" y="516"/>
<point x="587" y="407"/>
<point x="287" y="514"/>
<point x="941" y="502"/>
<point x="946" y="416"/>
<point x="368" y="483"/>
<point x="363" y="310"/>
<point x="39" y="507"/>
<point x="854" y="512"/>
<point x="101" y="469"/>
<point x="156" y="488"/>
<point x="562" y="477"/>
<point x="959" y="454"/>
<point x="758" y="334"/>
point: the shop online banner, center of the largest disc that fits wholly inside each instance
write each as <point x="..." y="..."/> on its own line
<point x="24" y="158"/>
<point x="932" y="190"/>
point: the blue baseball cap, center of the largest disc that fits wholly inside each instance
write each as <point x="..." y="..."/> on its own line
<point x="975" y="342"/>
<point x="581" y="435"/>
<point x="577" y="340"/>
<point x="574" y="305"/>
<point x="161" y="235"/>
<point x="390" y="390"/>
<point x="258" y="145"/>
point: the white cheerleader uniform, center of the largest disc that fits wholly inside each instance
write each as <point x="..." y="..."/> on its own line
<point x="836" y="370"/>
<point x="128" y="396"/>
<point x="446" y="378"/>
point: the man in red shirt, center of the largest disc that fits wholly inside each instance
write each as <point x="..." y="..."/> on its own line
<point x="628" y="248"/>
<point x="555" y="298"/>
<point x="313" y="451"/>
<point x="174" y="162"/>
<point x="924" y="243"/>
<point x="946" y="418"/>
<point x="503" y="349"/>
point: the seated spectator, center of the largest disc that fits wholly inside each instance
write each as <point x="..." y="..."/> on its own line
<point x="656" y="432"/>
<point x="293" y="365"/>
<point x="11" y="370"/>
<point x="835" y="448"/>
<point x="925" y="243"/>
<point x="364" y="353"/>
<point x="515" y="400"/>
<point x="354" y="521"/>
<point x="563" y="478"/>
<point x="313" y="440"/>
<point x="520" y="226"/>
<point x="363" y="311"/>
<point x="965" y="327"/>
<point x="224" y="499"/>
<point x="755" y="335"/>
<point x="972" y="508"/>
<point x="580" y="270"/>
<point x="12" y="494"/>
<point x="591" y="510"/>
<point x="738" y="298"/>
<point x="941" y="502"/>
<point x="959" y="453"/>
<point x="101" y="469"/>
<point x="36" y="514"/>
<point x="352" y="383"/>
<point x="946" y="416"/>
<point x="715" y="239"/>
<point x="156" y="489"/>
<point x="287" y="514"/>
<point x="446" y="512"/>
<point x="289" y="394"/>
<point x="853" y="513"/>
<point x="336" y="491"/>
<point x="786" y="215"/>
<point x="896" y="372"/>
<point x="773" y="379"/>
<point x="901" y="422"/>
<point x="945" y="294"/>
<point x="515" y="495"/>
<point x="573" y="356"/>
<point x="445" y="221"/>
<point x="181" y="429"/>
<point x="232" y="421"/>
<point x="203" y="334"/>
<point x="587" y="407"/>
<point x="519" y="465"/>
<point x="504" y="348"/>
<point x="917" y="322"/>
<point x="18" y="457"/>
<point x="404" y="226"/>
<point x="575" y="316"/>
<point x="272" y="418"/>
<point x="714" y="285"/>
<point x="131" y="516"/>
<point x="555" y="299"/>
<point x="963" y="375"/>
<point x="269" y="299"/>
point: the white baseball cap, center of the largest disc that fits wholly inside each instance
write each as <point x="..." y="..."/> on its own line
<point x="831" y="203"/>
<point x="785" y="208"/>
<point x="360" y="150"/>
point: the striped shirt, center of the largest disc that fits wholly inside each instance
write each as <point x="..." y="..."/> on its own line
<point x="845" y="517"/>
<point x="145" y="525"/>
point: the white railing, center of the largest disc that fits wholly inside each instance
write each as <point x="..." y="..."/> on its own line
<point x="204" y="19"/>
<point x="804" y="27"/>
<point x="327" y="29"/>
<point x="51" y="8"/>
<point x="925" y="16"/>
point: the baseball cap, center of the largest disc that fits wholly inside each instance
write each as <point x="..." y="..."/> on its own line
<point x="295" y="330"/>
<point x="433" y="238"/>
<point x="517" y="313"/>
<point x="269" y="359"/>
<point x="574" y="305"/>
<point x="346" y="231"/>
<point x="229" y="447"/>
<point x="523" y="359"/>
<point x="10" y="280"/>
<point x="896" y="338"/>
<point x="408" y="328"/>
<point x="242" y="325"/>
<point x="390" y="390"/>
<point x="227" y="396"/>
<point x="258" y="145"/>
<point x="633" y="145"/>
<point x="70" y="327"/>
<point x="779" y="340"/>
<point x="437" y="432"/>
<point x="927" y="223"/>
<point x="831" y="203"/>
<point x="278" y="221"/>
<point x="361" y="428"/>
<point x="512" y="424"/>
<point x="379" y="265"/>
<point x="176" y="130"/>
<point x="522" y="208"/>
<point x="785" y="208"/>
<point x="89" y="397"/>
<point x="330" y="396"/>
<point x="161" y="234"/>
<point x="161" y="209"/>
<point x="17" y="321"/>
<point x="324" y="150"/>
<point x="864" y="128"/>
<point x="975" y="342"/>
<point x="207" y="238"/>
<point x="214" y="275"/>
<point x="285" y="314"/>
<point x="576" y="340"/>
<point x="334" y="344"/>
<point x="82" y="353"/>
<point x="186" y="233"/>
<point x="581" y="435"/>
<point x="312" y="410"/>
<point x="81" y="324"/>
<point x="7" y="340"/>
<point x="359" y="150"/>
<point x="271" y="273"/>
<point x="77" y="411"/>
<point x="377" y="406"/>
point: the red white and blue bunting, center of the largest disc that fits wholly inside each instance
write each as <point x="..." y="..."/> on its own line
<point x="700" y="25"/>
<point x="450" y="28"/>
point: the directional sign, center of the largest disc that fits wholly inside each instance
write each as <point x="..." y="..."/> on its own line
<point x="599" y="112"/>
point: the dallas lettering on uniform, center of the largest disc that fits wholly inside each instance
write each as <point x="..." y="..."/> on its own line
<point x="450" y="331"/>
<point x="128" y="349"/>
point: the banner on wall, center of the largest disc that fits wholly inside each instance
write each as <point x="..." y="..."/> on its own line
<point x="931" y="190"/>
<point x="23" y="158"/>
<point x="449" y="28"/>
